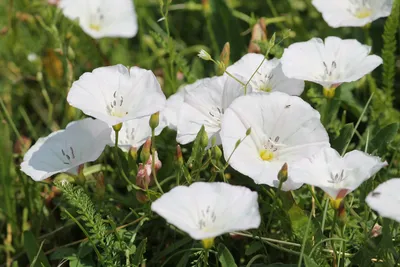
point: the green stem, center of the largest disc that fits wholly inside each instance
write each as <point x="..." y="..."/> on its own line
<point x="278" y="191"/>
<point x="303" y="246"/>
<point x="335" y="215"/>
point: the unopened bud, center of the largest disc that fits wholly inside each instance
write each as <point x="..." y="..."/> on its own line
<point x="143" y="178"/>
<point x="217" y="152"/>
<point x="133" y="153"/>
<point x="206" y="6"/>
<point x="145" y="153"/>
<point x="204" y="139"/>
<point x="154" y="120"/>
<point x="179" y="156"/>
<point x="248" y="132"/>
<point x="141" y="197"/>
<point x="100" y="186"/>
<point x="283" y="173"/>
<point x="204" y="55"/>
<point x="238" y="143"/>
<point x="258" y="34"/>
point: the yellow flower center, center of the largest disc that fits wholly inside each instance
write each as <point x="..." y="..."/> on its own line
<point x="363" y="13"/>
<point x="95" y="27"/>
<point x="329" y="92"/>
<point x="208" y="242"/>
<point x="266" y="155"/>
<point x="266" y="89"/>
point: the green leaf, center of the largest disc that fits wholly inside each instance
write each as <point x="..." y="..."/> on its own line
<point x="141" y="249"/>
<point x="253" y="248"/>
<point x="81" y="262"/>
<point x="384" y="137"/>
<point x="299" y="220"/>
<point x="225" y="257"/>
<point x="309" y="262"/>
<point x="343" y="139"/>
<point x="36" y="256"/>
<point x="62" y="253"/>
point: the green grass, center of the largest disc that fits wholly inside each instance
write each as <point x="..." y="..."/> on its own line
<point x="103" y="224"/>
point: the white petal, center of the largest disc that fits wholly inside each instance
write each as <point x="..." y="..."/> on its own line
<point x="268" y="76"/>
<point x="363" y="167"/>
<point x="100" y="18"/>
<point x="342" y="13"/>
<point x="385" y="199"/>
<point x="209" y="204"/>
<point x="115" y="94"/>
<point x="330" y="63"/>
<point x="82" y="141"/>
<point x="202" y="106"/>
<point x="277" y="116"/>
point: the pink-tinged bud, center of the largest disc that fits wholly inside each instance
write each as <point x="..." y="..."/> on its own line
<point x="22" y="145"/>
<point x="376" y="230"/>
<point x="146" y="151"/>
<point x="100" y="186"/>
<point x="179" y="156"/>
<point x="144" y="177"/>
<point x="141" y="197"/>
<point x="258" y="34"/>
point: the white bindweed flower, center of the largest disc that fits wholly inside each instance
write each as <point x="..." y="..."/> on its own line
<point x="352" y="13"/>
<point x="134" y="133"/>
<point x="329" y="64"/>
<point x="103" y="18"/>
<point x="205" y="105"/>
<point x="174" y="103"/>
<point x="207" y="210"/>
<point x="268" y="78"/>
<point x="385" y="199"/>
<point x="65" y="150"/>
<point x="116" y="94"/>
<point x="336" y="175"/>
<point x="284" y="129"/>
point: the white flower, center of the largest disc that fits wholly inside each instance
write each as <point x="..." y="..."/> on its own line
<point x="336" y="175"/>
<point x="269" y="76"/>
<point x="385" y="199"/>
<point x="207" y="210"/>
<point x="284" y="129"/>
<point x="352" y="13"/>
<point x="134" y="133"/>
<point x="116" y="94"/>
<point x="329" y="64"/>
<point x="103" y="18"/>
<point x="65" y="150"/>
<point x="204" y="55"/>
<point x="205" y="105"/>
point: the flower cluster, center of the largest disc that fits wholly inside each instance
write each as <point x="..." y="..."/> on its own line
<point x="253" y="110"/>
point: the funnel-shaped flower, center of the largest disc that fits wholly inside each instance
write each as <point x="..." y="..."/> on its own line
<point x="269" y="76"/>
<point x="352" y="13"/>
<point x="65" y="150"/>
<point x="116" y="94"/>
<point x="336" y="175"/>
<point x="284" y="129"/>
<point x="103" y="18"/>
<point x="329" y="64"/>
<point x="385" y="199"/>
<point x="207" y="210"/>
<point x="205" y="105"/>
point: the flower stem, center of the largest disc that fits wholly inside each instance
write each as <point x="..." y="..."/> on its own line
<point x="153" y="159"/>
<point x="278" y="191"/>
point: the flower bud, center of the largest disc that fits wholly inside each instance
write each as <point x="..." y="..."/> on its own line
<point x="283" y="173"/>
<point x="217" y="152"/>
<point x="204" y="139"/>
<point x="204" y="55"/>
<point x="141" y="197"/>
<point x="143" y="179"/>
<point x="154" y="120"/>
<point x="248" y="132"/>
<point x="145" y="153"/>
<point x="179" y="156"/>
<point x="258" y="34"/>
<point x="133" y="153"/>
